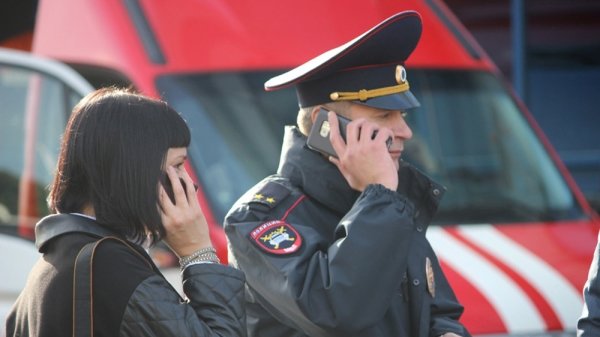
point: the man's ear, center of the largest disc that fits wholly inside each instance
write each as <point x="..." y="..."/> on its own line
<point x="314" y="113"/>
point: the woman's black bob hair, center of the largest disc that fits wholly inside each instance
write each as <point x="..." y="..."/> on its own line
<point x="112" y="157"/>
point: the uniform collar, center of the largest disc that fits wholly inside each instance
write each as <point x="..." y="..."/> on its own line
<point x="314" y="174"/>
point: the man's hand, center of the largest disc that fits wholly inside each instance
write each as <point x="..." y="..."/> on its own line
<point x="362" y="160"/>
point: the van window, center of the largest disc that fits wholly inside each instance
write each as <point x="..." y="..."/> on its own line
<point x="237" y="129"/>
<point x="33" y="113"/>
<point x="468" y="134"/>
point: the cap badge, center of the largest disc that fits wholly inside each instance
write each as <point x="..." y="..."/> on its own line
<point x="276" y="237"/>
<point x="400" y="74"/>
<point x="430" y="277"/>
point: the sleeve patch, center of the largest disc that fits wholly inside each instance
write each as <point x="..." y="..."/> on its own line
<point x="276" y="237"/>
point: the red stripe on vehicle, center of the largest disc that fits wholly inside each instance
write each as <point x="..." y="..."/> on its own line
<point x="544" y="308"/>
<point x="567" y="247"/>
<point x="479" y="314"/>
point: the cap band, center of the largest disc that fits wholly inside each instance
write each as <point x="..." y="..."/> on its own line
<point x="364" y="94"/>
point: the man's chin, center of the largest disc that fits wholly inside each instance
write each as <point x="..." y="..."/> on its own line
<point x="397" y="164"/>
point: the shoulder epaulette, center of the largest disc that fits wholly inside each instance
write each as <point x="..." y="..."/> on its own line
<point x="270" y="194"/>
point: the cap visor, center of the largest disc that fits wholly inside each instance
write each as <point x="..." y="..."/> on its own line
<point x="401" y="101"/>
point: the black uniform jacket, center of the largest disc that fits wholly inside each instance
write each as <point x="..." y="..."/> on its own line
<point x="324" y="260"/>
<point x="129" y="297"/>
<point x="588" y="324"/>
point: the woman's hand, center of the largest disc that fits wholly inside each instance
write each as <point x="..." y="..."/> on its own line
<point x="184" y="222"/>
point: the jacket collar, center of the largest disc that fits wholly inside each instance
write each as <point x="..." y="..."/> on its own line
<point x="55" y="225"/>
<point x="314" y="174"/>
<point x="321" y="180"/>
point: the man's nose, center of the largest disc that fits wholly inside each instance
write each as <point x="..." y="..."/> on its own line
<point x="401" y="128"/>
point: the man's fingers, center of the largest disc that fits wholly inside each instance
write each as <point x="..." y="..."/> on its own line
<point x="366" y="132"/>
<point x="353" y="130"/>
<point x="383" y="134"/>
<point x="335" y="161"/>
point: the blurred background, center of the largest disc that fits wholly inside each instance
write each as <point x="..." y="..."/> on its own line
<point x="548" y="49"/>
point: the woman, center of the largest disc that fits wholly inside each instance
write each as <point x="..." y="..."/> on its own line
<point x="118" y="152"/>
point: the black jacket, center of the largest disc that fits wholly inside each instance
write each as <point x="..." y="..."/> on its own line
<point x="324" y="260"/>
<point x="588" y="324"/>
<point x="129" y="297"/>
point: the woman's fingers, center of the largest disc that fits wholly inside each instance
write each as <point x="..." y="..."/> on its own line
<point x="190" y="190"/>
<point x="184" y="221"/>
<point x="178" y="191"/>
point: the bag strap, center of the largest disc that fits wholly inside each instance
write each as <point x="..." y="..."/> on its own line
<point x="83" y="299"/>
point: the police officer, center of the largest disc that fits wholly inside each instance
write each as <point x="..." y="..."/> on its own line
<point x="334" y="245"/>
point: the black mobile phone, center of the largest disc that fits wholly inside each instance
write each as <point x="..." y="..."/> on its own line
<point x="318" y="137"/>
<point x="166" y="182"/>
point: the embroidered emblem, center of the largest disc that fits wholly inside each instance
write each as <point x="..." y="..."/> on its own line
<point x="277" y="237"/>
<point x="430" y="277"/>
